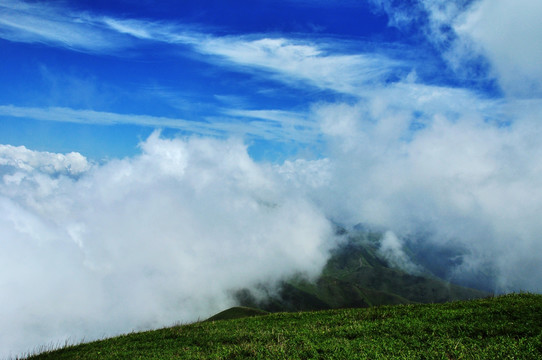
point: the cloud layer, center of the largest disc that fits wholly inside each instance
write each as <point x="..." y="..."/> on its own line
<point x="439" y="174"/>
<point x="145" y="241"/>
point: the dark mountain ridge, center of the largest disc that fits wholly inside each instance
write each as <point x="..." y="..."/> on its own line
<point x="357" y="274"/>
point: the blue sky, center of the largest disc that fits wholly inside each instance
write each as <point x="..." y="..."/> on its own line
<point x="98" y="77"/>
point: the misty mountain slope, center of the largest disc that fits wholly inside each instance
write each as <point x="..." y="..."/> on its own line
<point x="359" y="275"/>
<point x="360" y="262"/>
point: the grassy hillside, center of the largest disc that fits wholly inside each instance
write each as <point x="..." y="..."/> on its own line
<point x="237" y="312"/>
<point x="506" y="327"/>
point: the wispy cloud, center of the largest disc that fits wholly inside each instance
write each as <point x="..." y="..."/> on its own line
<point x="498" y="39"/>
<point x="294" y="62"/>
<point x="62" y="114"/>
<point x="303" y="61"/>
<point x="56" y="26"/>
<point x="269" y="124"/>
<point x="292" y="125"/>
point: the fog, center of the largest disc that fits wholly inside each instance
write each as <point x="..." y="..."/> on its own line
<point x="143" y="242"/>
<point x="441" y="171"/>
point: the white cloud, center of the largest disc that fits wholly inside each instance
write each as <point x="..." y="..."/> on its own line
<point x="461" y="30"/>
<point x="505" y="33"/>
<point x="262" y="124"/>
<point x="145" y="241"/>
<point x="63" y="114"/>
<point x="312" y="62"/>
<point x="57" y="25"/>
<point x="327" y="65"/>
<point x="129" y="27"/>
<point x="303" y="173"/>
<point x="459" y="174"/>
<point x="21" y="158"/>
<point x="391" y="249"/>
<point x="509" y="34"/>
<point x="50" y="24"/>
<point x="302" y="61"/>
<point x="278" y="124"/>
<point x="156" y="30"/>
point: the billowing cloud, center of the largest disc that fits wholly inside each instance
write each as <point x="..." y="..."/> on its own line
<point x="145" y="241"/>
<point x="21" y="158"/>
<point x="441" y="169"/>
<point x="447" y="166"/>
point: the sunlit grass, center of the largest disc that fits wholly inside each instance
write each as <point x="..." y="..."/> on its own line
<point x="506" y="327"/>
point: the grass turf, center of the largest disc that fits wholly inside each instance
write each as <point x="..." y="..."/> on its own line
<point x="505" y="327"/>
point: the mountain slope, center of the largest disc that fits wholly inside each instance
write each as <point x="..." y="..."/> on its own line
<point x="237" y="312"/>
<point x="493" y="328"/>
<point x="357" y="275"/>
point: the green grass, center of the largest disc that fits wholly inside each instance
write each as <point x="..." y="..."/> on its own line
<point x="506" y="327"/>
<point x="237" y="312"/>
